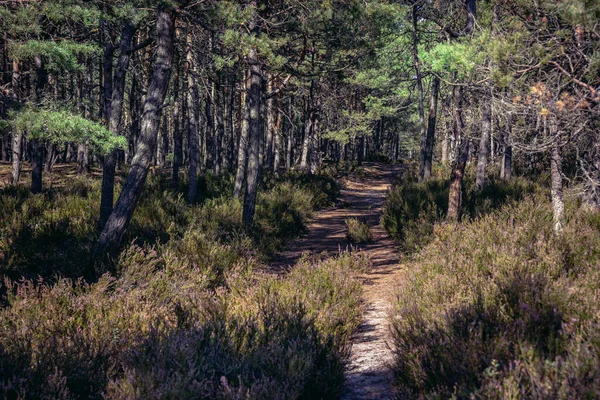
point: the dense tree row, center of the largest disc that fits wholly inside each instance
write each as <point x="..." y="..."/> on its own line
<point x="258" y="86"/>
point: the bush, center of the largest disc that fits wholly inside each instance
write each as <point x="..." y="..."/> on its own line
<point x="358" y="231"/>
<point x="158" y="332"/>
<point x="182" y="314"/>
<point x="412" y="209"/>
<point x="500" y="307"/>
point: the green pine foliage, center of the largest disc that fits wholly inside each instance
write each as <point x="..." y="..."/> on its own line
<point x="62" y="126"/>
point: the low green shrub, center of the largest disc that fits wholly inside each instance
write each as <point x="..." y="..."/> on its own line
<point x="500" y="307"/>
<point x="358" y="231"/>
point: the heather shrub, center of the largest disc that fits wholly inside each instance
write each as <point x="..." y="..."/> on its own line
<point x="413" y="208"/>
<point x="49" y="233"/>
<point x="161" y="331"/>
<point x="500" y="307"/>
<point x="181" y="314"/>
<point x="358" y="231"/>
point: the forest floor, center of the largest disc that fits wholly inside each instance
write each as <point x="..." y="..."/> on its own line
<point x="362" y="197"/>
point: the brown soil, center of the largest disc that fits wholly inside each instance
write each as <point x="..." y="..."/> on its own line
<point x="368" y="375"/>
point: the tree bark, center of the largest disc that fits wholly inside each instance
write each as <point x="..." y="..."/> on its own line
<point x="290" y="138"/>
<point x="114" y="112"/>
<point x="37" y="154"/>
<point x="484" y="146"/>
<point x="506" y="165"/>
<point x="243" y="144"/>
<point x="458" y="169"/>
<point x="253" y="99"/>
<point x="193" y="142"/>
<point x="177" y="134"/>
<point x="145" y="147"/>
<point x="431" y="124"/>
<point x="17" y="137"/>
<point x="37" y="157"/>
<point x="420" y="102"/>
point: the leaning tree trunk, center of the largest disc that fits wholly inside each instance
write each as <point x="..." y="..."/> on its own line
<point x="146" y="143"/>
<point x="114" y="113"/>
<point x="558" y="203"/>
<point x="484" y="146"/>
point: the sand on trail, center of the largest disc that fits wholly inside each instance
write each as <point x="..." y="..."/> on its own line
<point x="362" y="196"/>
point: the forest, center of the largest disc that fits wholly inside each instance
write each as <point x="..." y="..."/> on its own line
<point x="300" y="199"/>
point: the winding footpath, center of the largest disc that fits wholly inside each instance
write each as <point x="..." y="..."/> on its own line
<point x="367" y="374"/>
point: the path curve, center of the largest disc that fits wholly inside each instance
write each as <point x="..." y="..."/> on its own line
<point x="367" y="373"/>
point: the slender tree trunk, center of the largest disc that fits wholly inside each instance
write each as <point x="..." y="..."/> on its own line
<point x="243" y="145"/>
<point x="431" y="123"/>
<point x="16" y="156"/>
<point x="420" y="102"/>
<point x="113" y="113"/>
<point x="121" y="215"/>
<point x="484" y="146"/>
<point x="458" y="169"/>
<point x="506" y="163"/>
<point x="558" y="203"/>
<point x="270" y="125"/>
<point x="17" y="137"/>
<point x="277" y="142"/>
<point x="193" y="143"/>
<point x="218" y="112"/>
<point x="253" y="99"/>
<point x="37" y="154"/>
<point x="177" y="134"/>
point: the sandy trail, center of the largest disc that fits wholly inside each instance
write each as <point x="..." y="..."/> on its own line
<point x="367" y="374"/>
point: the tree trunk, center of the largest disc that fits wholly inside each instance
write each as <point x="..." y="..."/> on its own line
<point x="484" y="146"/>
<point x="37" y="158"/>
<point x="290" y="137"/>
<point x="277" y="142"/>
<point x="17" y="137"/>
<point x="458" y="169"/>
<point x="558" y="203"/>
<point x="193" y="142"/>
<point x="177" y="133"/>
<point x="114" y="112"/>
<point x="506" y="165"/>
<point x="307" y="140"/>
<point x="243" y="145"/>
<point x="220" y="131"/>
<point x="420" y="102"/>
<point x="37" y="154"/>
<point x="253" y="99"/>
<point x="431" y="123"/>
<point x="121" y="215"/>
<point x="270" y="126"/>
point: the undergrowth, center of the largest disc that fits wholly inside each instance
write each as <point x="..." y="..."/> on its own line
<point x="185" y="311"/>
<point x="413" y="208"/>
<point x="500" y="307"/>
<point x="358" y="231"/>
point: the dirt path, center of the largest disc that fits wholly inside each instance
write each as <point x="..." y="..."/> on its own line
<point x="367" y="375"/>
